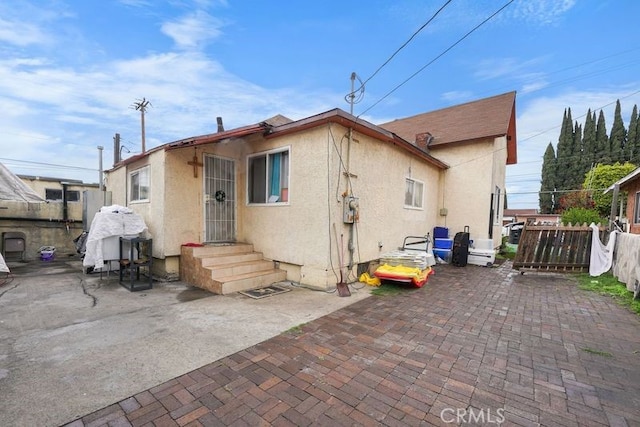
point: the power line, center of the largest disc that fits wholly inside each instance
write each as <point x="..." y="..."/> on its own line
<point x="351" y="97"/>
<point x="407" y="42"/>
<point x="580" y="116"/>
<point x="437" y="57"/>
<point x="47" y="164"/>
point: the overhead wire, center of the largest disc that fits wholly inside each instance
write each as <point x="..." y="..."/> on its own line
<point x="408" y="41"/>
<point x="51" y="165"/>
<point x="437" y="57"/>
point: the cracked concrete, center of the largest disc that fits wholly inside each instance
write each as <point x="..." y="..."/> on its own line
<point x="85" y="341"/>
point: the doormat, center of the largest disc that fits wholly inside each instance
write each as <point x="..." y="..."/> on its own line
<point x="265" y="292"/>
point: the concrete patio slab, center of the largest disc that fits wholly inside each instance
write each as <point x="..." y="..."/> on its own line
<point x="72" y="343"/>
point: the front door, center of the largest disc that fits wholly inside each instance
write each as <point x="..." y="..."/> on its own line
<point x="219" y="199"/>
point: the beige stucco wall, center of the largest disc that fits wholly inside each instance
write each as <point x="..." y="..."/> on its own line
<point x="499" y="180"/>
<point x="305" y="233"/>
<point x="475" y="170"/>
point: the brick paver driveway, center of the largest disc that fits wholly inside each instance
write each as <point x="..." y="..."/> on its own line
<point x="475" y="346"/>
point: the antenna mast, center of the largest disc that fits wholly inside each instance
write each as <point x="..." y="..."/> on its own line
<point x="142" y="107"/>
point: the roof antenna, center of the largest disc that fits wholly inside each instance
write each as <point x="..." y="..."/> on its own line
<point x="141" y="106"/>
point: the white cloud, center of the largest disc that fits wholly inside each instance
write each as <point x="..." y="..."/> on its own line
<point x="457" y="96"/>
<point x="21" y="33"/>
<point x="545" y="12"/>
<point x="193" y="30"/>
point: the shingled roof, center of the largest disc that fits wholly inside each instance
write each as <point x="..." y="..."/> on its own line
<point x="465" y="123"/>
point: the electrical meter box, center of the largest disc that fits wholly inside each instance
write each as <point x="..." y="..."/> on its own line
<point x="350" y="210"/>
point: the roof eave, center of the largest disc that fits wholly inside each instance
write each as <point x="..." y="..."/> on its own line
<point x="347" y="120"/>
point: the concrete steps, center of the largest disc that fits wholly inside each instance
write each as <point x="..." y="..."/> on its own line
<point x="225" y="269"/>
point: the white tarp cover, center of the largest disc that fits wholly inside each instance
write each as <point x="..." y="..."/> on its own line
<point x="601" y="255"/>
<point x="110" y="221"/>
<point x="626" y="267"/>
<point x="12" y="188"/>
<point x="3" y="265"/>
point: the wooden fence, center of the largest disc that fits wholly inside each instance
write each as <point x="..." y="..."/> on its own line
<point x="555" y="248"/>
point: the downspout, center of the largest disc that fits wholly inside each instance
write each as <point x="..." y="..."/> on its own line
<point x="65" y="205"/>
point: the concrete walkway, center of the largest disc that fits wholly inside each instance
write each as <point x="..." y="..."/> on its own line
<point x="72" y="343"/>
<point x="475" y="346"/>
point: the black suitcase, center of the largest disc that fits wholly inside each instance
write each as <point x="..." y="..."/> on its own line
<point x="460" y="252"/>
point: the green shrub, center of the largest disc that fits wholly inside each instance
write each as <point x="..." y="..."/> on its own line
<point x="579" y="216"/>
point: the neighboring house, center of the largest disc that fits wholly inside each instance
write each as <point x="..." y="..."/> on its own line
<point x="54" y="223"/>
<point x="309" y="193"/>
<point x="529" y="216"/>
<point x="477" y="140"/>
<point x="631" y="185"/>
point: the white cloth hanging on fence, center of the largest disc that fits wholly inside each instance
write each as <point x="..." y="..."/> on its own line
<point x="3" y="265"/>
<point x="601" y="255"/>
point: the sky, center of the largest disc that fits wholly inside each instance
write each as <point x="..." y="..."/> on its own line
<point x="72" y="71"/>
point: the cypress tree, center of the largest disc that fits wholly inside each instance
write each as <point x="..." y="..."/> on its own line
<point x="564" y="152"/>
<point x="632" y="147"/>
<point x="602" y="153"/>
<point x="576" y="171"/>
<point x="547" y="194"/>
<point x="589" y="142"/>
<point x="617" y="137"/>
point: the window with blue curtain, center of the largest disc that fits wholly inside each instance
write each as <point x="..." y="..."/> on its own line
<point x="269" y="177"/>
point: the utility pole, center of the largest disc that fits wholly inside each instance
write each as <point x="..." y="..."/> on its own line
<point x="141" y="106"/>
<point x="116" y="148"/>
<point x="100" y="148"/>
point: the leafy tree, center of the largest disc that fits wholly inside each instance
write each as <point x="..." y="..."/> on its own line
<point x="603" y="151"/>
<point x="602" y="177"/>
<point x="576" y="199"/>
<point x="579" y="216"/>
<point x="547" y="193"/>
<point x="618" y="136"/>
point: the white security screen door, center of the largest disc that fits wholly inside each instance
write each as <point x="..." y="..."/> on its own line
<point x="219" y="199"/>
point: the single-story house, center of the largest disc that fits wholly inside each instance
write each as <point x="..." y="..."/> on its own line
<point x="52" y="215"/>
<point x="631" y="185"/>
<point x="529" y="216"/>
<point x="317" y="199"/>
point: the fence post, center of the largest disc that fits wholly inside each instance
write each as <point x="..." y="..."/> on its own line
<point x="614" y="202"/>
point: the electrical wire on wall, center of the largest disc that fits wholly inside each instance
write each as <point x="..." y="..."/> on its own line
<point x="330" y="140"/>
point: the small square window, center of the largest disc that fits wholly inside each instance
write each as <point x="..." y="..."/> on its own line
<point x="53" y="194"/>
<point x="139" y="189"/>
<point x="73" y="196"/>
<point x="414" y="193"/>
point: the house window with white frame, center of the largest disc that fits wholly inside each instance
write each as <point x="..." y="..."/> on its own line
<point x="139" y="187"/>
<point x="414" y="193"/>
<point x="268" y="177"/>
<point x="636" y="209"/>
